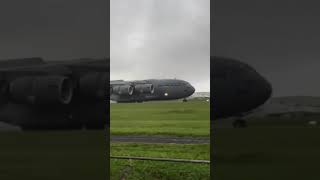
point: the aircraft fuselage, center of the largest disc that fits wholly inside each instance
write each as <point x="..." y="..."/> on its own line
<point x="163" y="89"/>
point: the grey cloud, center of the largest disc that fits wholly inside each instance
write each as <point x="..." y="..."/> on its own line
<point x="161" y="39"/>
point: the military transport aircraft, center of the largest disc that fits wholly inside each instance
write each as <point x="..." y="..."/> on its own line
<point x="72" y="94"/>
<point x="237" y="89"/>
<point x="149" y="90"/>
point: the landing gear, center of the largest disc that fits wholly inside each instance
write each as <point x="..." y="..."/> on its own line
<point x="239" y="123"/>
<point x="184" y="100"/>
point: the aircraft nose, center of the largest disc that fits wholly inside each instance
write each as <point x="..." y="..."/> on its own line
<point x="191" y="90"/>
<point x="267" y="90"/>
<point x="188" y="90"/>
<point x="263" y="91"/>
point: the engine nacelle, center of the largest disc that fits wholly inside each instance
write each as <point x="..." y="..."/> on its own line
<point x="144" y="88"/>
<point x="94" y="86"/>
<point x="41" y="90"/>
<point x="125" y="89"/>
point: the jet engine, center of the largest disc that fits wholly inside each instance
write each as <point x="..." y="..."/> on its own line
<point x="41" y="90"/>
<point x="144" y="88"/>
<point x="125" y="89"/>
<point x="94" y="85"/>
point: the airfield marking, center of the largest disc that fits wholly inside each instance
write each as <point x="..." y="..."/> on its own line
<point x="160" y="139"/>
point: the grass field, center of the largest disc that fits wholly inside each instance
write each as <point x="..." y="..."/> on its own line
<point x="170" y="118"/>
<point x="161" y="118"/>
<point x="160" y="170"/>
<point x="242" y="154"/>
<point x="53" y="155"/>
<point x="266" y="153"/>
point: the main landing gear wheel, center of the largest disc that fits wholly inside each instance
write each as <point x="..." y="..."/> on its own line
<point x="240" y="123"/>
<point x="184" y="100"/>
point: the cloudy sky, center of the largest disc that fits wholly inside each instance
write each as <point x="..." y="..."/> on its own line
<point x="161" y="39"/>
<point x="54" y="29"/>
<point x="170" y="38"/>
<point x="280" y="38"/>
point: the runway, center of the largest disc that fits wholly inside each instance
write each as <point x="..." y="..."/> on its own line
<point x="160" y="139"/>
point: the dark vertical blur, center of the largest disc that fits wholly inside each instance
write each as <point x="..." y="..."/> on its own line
<point x="212" y="146"/>
<point x="63" y="31"/>
<point x="279" y="39"/>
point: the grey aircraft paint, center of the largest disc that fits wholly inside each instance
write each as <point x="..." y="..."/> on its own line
<point x="159" y="89"/>
<point x="72" y="94"/>
<point x="237" y="88"/>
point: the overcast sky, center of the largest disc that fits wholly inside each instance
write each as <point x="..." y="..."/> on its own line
<point x="161" y="39"/>
<point x="170" y="38"/>
<point x="280" y="38"/>
<point x="54" y="29"/>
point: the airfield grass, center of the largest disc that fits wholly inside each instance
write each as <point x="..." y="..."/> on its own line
<point x="53" y="155"/>
<point x="175" y="118"/>
<point x="164" y="118"/>
<point x="266" y="153"/>
<point x="134" y="169"/>
<point x="249" y="154"/>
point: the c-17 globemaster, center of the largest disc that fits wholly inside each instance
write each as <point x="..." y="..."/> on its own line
<point x="35" y="94"/>
<point x="150" y="90"/>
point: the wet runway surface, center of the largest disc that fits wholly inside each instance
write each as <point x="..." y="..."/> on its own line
<point x="160" y="139"/>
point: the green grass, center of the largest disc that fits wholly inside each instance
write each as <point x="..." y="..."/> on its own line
<point x="160" y="170"/>
<point x="161" y="118"/>
<point x="170" y="118"/>
<point x="184" y="151"/>
<point x="53" y="155"/>
<point x="266" y="153"/>
<point x="83" y="154"/>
